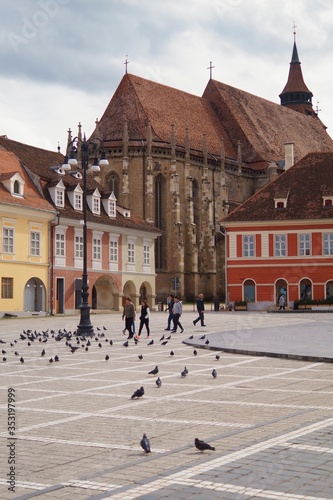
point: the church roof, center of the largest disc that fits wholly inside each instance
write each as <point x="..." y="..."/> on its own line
<point x="261" y="126"/>
<point x="303" y="186"/>
<point x="141" y="101"/>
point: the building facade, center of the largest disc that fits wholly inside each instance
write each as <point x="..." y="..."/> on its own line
<point x="25" y="218"/>
<point x="183" y="162"/>
<point x="280" y="241"/>
<point x="120" y="245"/>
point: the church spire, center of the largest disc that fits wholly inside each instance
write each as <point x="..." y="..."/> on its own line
<point x="296" y="94"/>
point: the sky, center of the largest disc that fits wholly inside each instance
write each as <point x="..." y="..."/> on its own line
<point x="62" y="60"/>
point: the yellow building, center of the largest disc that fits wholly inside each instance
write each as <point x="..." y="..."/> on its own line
<point x="24" y="241"/>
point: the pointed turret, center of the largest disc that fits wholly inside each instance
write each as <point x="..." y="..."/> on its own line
<point x="296" y="94"/>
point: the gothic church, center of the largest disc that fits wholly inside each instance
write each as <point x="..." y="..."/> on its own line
<point x="182" y="162"/>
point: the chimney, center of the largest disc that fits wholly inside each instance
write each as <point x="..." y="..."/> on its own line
<point x="288" y="155"/>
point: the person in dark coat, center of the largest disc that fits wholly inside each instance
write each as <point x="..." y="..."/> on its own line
<point x="201" y="310"/>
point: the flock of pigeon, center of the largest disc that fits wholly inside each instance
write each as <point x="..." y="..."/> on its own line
<point x="74" y="343"/>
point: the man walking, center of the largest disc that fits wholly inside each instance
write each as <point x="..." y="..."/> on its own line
<point x="201" y="310"/>
<point x="177" y="312"/>
<point x="170" y="302"/>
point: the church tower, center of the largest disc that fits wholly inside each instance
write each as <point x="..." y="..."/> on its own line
<point x="296" y="94"/>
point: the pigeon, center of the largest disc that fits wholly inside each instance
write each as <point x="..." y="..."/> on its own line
<point x="183" y="374"/>
<point x="214" y="373"/>
<point x="185" y="370"/>
<point x="107" y="357"/>
<point x="217" y="357"/>
<point x="172" y="353"/>
<point x="22" y="337"/>
<point x="140" y="357"/>
<point x="3" y="351"/>
<point x="104" y="328"/>
<point x="145" y="444"/>
<point x="138" y="393"/>
<point x="168" y="338"/>
<point x="151" y="342"/>
<point x="51" y="360"/>
<point x="111" y="342"/>
<point x="158" y="382"/>
<point x="21" y="359"/>
<point x="4" y="359"/>
<point x="202" y="446"/>
<point x="207" y="342"/>
<point x="125" y="344"/>
<point x="16" y="353"/>
<point x="56" y="358"/>
<point x="99" y="345"/>
<point x="195" y="352"/>
<point x="162" y="338"/>
<point x="202" y="337"/>
<point x="165" y="342"/>
<point x="2" y="341"/>
<point x="154" y="371"/>
<point x="74" y="348"/>
<point x="191" y="337"/>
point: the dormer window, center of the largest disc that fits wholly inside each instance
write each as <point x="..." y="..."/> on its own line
<point x="14" y="183"/>
<point x="328" y="201"/>
<point x="75" y="197"/>
<point x="110" y="205"/>
<point x="94" y="202"/>
<point x="280" y="203"/>
<point x="57" y="193"/>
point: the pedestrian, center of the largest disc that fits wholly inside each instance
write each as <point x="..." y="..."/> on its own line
<point x="129" y="315"/>
<point x="177" y="312"/>
<point x="170" y="303"/>
<point x="144" y="319"/>
<point x="282" y="302"/>
<point x="201" y="310"/>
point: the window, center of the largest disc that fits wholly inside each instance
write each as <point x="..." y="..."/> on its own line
<point x="328" y="243"/>
<point x="305" y="289"/>
<point x="97" y="248"/>
<point x="113" y="251"/>
<point x="96" y="203"/>
<point x="304" y="244"/>
<point x="8" y="240"/>
<point x="146" y="254"/>
<point x="248" y="245"/>
<point x="112" y="208"/>
<point x="79" y="246"/>
<point x="16" y="189"/>
<point x="249" y="291"/>
<point x="59" y="198"/>
<point x="78" y="201"/>
<point x="280" y="204"/>
<point x="35" y="243"/>
<point x="60" y="245"/>
<point x="7" y="288"/>
<point x="130" y="252"/>
<point x="280" y="245"/>
<point x="329" y="290"/>
<point x="328" y="202"/>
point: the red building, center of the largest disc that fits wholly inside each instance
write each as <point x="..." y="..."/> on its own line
<point x="280" y="241"/>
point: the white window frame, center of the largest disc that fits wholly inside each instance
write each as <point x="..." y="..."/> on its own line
<point x="59" y="197"/>
<point x="78" y="246"/>
<point x="327" y="243"/>
<point x="8" y="240"/>
<point x="35" y="243"/>
<point x="304" y="244"/>
<point x="248" y="245"/>
<point x="280" y="245"/>
<point x="96" y="205"/>
<point x="78" y="201"/>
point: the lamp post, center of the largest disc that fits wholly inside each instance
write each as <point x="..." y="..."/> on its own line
<point x="84" y="328"/>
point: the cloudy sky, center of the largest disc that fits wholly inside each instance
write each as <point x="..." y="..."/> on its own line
<point x="62" y="60"/>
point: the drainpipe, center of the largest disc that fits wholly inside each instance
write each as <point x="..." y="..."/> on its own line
<point x="51" y="261"/>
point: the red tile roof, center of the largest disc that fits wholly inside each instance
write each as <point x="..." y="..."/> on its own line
<point x="9" y="165"/>
<point x="304" y="186"/>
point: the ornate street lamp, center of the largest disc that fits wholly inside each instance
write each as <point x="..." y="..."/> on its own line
<point x="84" y="328"/>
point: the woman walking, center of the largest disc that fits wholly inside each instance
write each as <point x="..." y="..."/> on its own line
<point x="144" y="319"/>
